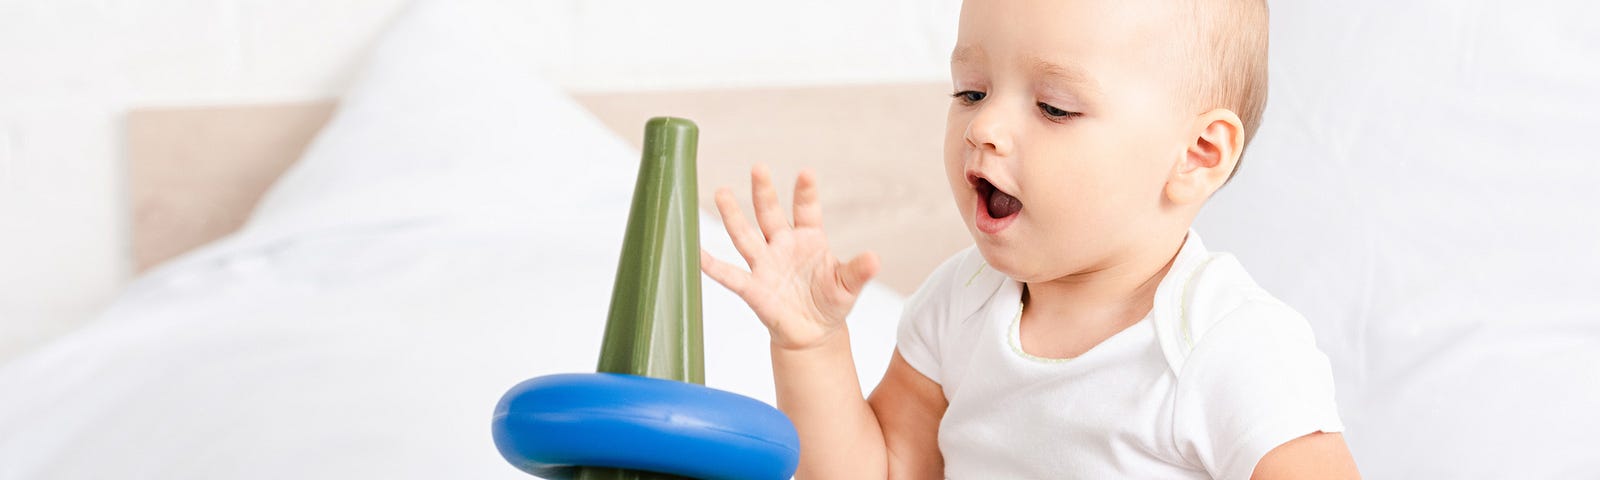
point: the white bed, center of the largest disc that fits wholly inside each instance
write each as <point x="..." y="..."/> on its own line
<point x="1421" y="190"/>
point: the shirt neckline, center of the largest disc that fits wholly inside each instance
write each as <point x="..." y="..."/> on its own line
<point x="1014" y="339"/>
<point x="1192" y="247"/>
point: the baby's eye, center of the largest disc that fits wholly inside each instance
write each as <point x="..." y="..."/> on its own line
<point x="969" y="97"/>
<point x="1056" y="113"/>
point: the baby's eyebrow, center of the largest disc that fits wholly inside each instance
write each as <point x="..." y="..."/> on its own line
<point x="967" y="54"/>
<point x="1065" y="73"/>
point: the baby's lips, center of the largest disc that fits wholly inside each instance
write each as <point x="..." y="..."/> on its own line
<point x="976" y="179"/>
<point x="973" y="178"/>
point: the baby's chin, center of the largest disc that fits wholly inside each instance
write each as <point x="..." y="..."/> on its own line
<point x="1016" y="263"/>
<point x="1029" y="265"/>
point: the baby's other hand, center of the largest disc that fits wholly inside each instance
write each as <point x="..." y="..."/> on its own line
<point x="798" y="289"/>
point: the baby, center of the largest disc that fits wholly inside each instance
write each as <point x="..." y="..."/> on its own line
<point x="1088" y="333"/>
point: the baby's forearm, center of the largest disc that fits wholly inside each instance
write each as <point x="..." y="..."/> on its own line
<point x="839" y="435"/>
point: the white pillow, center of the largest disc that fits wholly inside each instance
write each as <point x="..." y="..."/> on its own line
<point x="450" y="115"/>
<point x="455" y="230"/>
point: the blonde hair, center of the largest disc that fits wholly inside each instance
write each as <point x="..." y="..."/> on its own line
<point x="1230" y="58"/>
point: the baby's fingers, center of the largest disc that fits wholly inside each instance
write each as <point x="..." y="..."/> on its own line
<point x="807" y="205"/>
<point x="855" y="274"/>
<point x="727" y="274"/>
<point x="768" y="213"/>
<point x="746" y="239"/>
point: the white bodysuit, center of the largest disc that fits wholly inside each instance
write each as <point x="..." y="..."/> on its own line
<point x="1217" y="375"/>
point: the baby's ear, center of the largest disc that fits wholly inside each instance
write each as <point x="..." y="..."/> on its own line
<point x="1216" y="140"/>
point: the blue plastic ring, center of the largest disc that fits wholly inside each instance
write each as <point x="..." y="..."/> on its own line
<point x="548" y="425"/>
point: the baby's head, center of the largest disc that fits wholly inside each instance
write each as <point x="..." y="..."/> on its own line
<point x="1086" y="133"/>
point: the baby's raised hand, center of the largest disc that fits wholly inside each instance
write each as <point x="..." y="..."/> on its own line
<point x="797" y="288"/>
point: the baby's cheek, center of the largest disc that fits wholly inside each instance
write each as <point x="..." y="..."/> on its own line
<point x="1076" y="211"/>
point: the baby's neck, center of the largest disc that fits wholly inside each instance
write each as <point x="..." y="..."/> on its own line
<point x="1105" y="300"/>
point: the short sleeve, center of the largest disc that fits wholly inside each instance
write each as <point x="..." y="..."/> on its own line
<point x="1254" y="382"/>
<point x="917" y="339"/>
<point x="929" y="311"/>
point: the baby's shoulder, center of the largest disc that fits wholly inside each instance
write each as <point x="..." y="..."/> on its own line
<point x="1216" y="304"/>
<point x="1249" y="376"/>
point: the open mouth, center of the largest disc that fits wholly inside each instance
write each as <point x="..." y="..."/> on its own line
<point x="996" y="204"/>
<point x="996" y="209"/>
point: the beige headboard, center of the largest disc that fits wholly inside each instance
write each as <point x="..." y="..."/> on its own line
<point x="195" y="173"/>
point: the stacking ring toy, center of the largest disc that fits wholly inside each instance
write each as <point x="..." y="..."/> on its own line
<point x="647" y="414"/>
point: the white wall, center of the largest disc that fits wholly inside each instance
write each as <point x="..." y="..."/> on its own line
<point x="71" y="69"/>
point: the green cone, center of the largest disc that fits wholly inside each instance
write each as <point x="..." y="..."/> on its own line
<point x="654" y="326"/>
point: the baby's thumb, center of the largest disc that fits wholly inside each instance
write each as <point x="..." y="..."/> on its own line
<point x="854" y="275"/>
